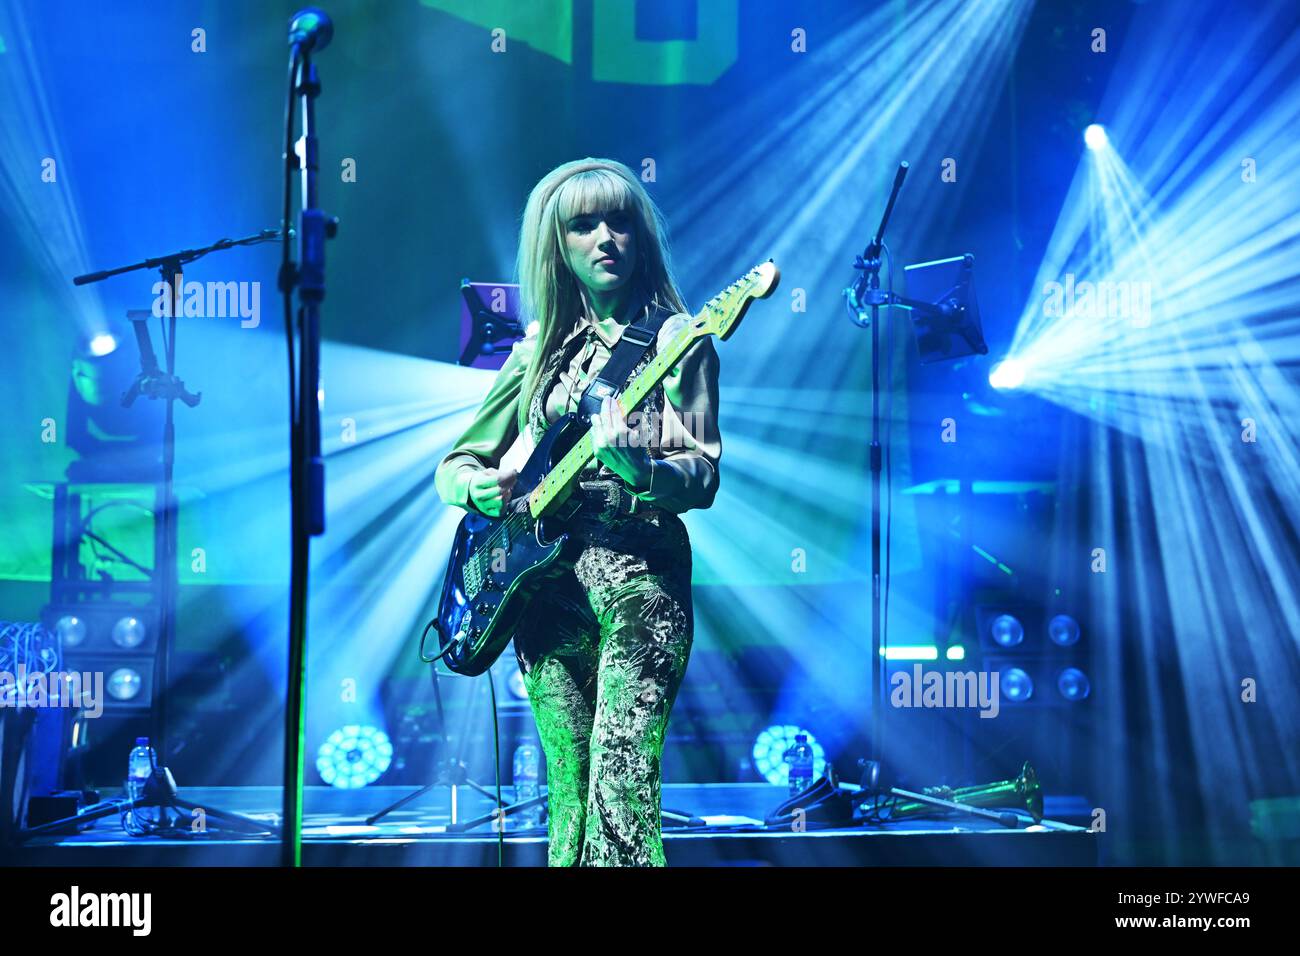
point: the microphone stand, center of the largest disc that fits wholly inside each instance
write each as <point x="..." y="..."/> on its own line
<point x="866" y="290"/>
<point x="162" y="383"/>
<point x="307" y="467"/>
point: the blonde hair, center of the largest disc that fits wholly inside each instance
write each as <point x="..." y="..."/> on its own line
<point x="548" y="290"/>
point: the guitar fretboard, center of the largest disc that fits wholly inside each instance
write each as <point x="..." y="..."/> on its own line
<point x="555" y="486"/>
<point x="718" y="317"/>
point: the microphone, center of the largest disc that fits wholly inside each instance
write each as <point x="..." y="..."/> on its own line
<point x="311" y="29"/>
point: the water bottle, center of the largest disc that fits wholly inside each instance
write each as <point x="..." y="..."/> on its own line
<point x="800" y="759"/>
<point x="527" y="759"/>
<point x="138" y="770"/>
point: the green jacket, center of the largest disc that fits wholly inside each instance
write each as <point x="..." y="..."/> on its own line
<point x="688" y="446"/>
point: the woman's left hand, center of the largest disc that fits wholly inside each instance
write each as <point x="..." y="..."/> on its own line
<point x="622" y="448"/>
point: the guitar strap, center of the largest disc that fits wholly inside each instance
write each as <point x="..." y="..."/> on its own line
<point x="627" y="352"/>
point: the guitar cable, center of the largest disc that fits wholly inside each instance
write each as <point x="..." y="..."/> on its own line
<point x="499" y="822"/>
<point x="441" y="654"/>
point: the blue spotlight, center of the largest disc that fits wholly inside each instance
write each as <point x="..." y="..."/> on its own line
<point x="1007" y="375"/>
<point x="769" y="753"/>
<point x="1094" y="137"/>
<point x="71" y="630"/>
<point x="1063" y="630"/>
<point x="125" y="684"/>
<point x="1017" y="685"/>
<point x="1006" y="631"/>
<point x="1073" y="684"/>
<point x="102" y="344"/>
<point x="354" y="756"/>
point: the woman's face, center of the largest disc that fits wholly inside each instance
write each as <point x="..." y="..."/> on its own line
<point x="601" y="249"/>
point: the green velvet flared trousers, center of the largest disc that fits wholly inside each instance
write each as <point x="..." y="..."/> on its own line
<point x="603" y="650"/>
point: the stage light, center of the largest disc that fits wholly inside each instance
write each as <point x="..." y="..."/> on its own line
<point x="128" y="633"/>
<point x="354" y="756"/>
<point x="956" y="653"/>
<point x="1188" y="397"/>
<point x="910" y="652"/>
<point x="1094" y="137"/>
<point x="1007" y="375"/>
<point x="1063" y="630"/>
<point x="769" y="753"/>
<point x="1017" y="686"/>
<point x="1007" y="631"/>
<point x="1073" y="684"/>
<point x="102" y="344"/>
<point x="71" y="630"/>
<point x="125" y="683"/>
<point x="49" y="234"/>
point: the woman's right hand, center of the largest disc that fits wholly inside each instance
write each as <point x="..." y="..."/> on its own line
<point x="490" y="490"/>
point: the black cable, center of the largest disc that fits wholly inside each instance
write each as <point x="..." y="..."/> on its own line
<point x="496" y="749"/>
<point x="879" y="802"/>
<point x="87" y="532"/>
<point x="441" y="654"/>
<point x="114" y="553"/>
<point x="500" y="822"/>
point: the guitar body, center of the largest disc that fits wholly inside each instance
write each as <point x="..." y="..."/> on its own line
<point x="498" y="564"/>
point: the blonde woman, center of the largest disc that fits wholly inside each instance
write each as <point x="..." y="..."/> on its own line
<point x="603" y="649"/>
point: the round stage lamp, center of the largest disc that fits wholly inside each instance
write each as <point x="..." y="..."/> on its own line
<point x="769" y="753"/>
<point x="102" y="344"/>
<point x="1007" y="375"/>
<point x="1017" y="685"/>
<point x="70" y="629"/>
<point x="1007" y="631"/>
<point x="1095" y="138"/>
<point x="1073" y="684"/>
<point x="1063" y="630"/>
<point x="354" y="756"/>
<point x="125" y="683"/>
<point x="128" y="633"/>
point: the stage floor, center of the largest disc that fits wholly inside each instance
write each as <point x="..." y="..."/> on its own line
<point x="335" y="834"/>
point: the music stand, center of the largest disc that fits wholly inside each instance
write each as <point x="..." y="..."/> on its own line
<point x="946" y="314"/>
<point x="489" y="323"/>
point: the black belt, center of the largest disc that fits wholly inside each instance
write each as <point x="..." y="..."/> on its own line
<point x="608" y="498"/>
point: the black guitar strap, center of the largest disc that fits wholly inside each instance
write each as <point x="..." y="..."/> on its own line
<point x="627" y="352"/>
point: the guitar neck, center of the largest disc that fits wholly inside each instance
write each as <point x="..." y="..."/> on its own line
<point x="555" y="487"/>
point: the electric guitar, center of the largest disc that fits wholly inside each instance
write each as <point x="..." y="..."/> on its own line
<point x="497" y="565"/>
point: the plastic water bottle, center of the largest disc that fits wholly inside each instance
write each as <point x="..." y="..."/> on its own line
<point x="138" y="770"/>
<point x="800" y="759"/>
<point x="527" y="759"/>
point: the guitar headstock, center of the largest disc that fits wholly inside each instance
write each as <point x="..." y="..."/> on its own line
<point x="722" y="314"/>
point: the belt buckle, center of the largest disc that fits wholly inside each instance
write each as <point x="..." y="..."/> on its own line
<point x="613" y="501"/>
